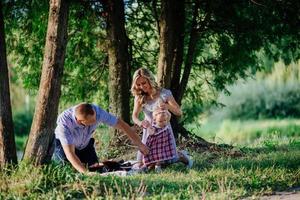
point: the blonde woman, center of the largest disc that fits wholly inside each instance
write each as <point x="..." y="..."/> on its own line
<point x="147" y="97"/>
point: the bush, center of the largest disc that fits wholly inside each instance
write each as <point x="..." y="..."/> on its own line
<point x="274" y="95"/>
<point x="261" y="100"/>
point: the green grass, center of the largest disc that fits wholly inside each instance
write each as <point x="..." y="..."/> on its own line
<point x="262" y="169"/>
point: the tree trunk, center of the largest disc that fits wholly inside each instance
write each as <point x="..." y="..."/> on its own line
<point x="118" y="63"/>
<point x="166" y="42"/>
<point x="7" y="139"/>
<point x="177" y="60"/>
<point x="39" y="146"/>
<point x="171" y="40"/>
<point x="170" y="60"/>
<point x="194" y="36"/>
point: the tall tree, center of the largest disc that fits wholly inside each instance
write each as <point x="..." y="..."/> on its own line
<point x="222" y="43"/>
<point x="7" y="139"/>
<point x="40" y="141"/>
<point x="171" y="45"/>
<point x="118" y="59"/>
<point x="171" y="42"/>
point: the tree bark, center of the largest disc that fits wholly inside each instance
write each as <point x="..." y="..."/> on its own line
<point x="7" y="140"/>
<point x="171" y="47"/>
<point x="166" y="43"/>
<point x="39" y="146"/>
<point x="118" y="55"/>
<point x="177" y="60"/>
<point x="194" y="36"/>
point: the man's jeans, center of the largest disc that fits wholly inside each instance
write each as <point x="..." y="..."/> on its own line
<point x="87" y="155"/>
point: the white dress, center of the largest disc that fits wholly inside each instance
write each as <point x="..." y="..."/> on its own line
<point x="148" y="109"/>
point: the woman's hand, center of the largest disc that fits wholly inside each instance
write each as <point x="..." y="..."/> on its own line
<point x="145" y="124"/>
<point x="172" y="106"/>
<point x="163" y="106"/>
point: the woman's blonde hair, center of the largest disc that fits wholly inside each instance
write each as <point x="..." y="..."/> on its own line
<point x="143" y="72"/>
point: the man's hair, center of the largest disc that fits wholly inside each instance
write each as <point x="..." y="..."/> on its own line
<point x="84" y="110"/>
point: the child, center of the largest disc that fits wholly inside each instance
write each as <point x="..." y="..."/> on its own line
<point x="159" y="141"/>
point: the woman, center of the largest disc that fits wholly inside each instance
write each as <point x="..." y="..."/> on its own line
<point x="147" y="97"/>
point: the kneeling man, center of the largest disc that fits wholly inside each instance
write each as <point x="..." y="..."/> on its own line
<point x="73" y="135"/>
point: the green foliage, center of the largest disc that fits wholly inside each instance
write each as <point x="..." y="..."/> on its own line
<point x="26" y="25"/>
<point x="143" y="34"/>
<point x="85" y="71"/>
<point x="280" y="101"/>
<point x="20" y="142"/>
<point x="22" y="122"/>
<point x="274" y="95"/>
<point x="230" y="35"/>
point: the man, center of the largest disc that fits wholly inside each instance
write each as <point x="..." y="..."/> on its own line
<point x="73" y="135"/>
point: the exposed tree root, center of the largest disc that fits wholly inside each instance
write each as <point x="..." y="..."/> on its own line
<point x="197" y="144"/>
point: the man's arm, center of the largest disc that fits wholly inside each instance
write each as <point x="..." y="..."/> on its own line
<point x="123" y="126"/>
<point x="73" y="158"/>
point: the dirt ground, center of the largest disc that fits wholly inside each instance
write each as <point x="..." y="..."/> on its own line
<point x="283" y="196"/>
<point x="291" y="194"/>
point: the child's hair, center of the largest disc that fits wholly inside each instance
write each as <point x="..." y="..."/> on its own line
<point x="161" y="111"/>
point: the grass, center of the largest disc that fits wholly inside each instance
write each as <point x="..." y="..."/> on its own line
<point x="270" y="162"/>
<point x="262" y="169"/>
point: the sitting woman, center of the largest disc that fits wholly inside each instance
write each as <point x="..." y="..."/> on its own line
<point x="148" y="96"/>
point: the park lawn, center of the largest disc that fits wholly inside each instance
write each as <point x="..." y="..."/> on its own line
<point x="262" y="169"/>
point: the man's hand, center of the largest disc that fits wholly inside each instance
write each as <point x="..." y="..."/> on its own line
<point x="73" y="158"/>
<point x="90" y="173"/>
<point x="144" y="149"/>
<point x="123" y="126"/>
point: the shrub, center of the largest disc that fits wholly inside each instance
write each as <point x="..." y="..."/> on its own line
<point x="276" y="95"/>
<point x="260" y="100"/>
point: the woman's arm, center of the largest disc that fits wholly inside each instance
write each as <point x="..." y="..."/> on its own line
<point x="137" y="108"/>
<point x="172" y="106"/>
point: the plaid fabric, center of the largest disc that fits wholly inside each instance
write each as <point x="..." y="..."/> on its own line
<point x="161" y="147"/>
